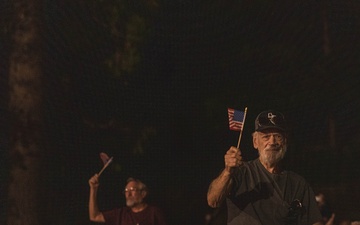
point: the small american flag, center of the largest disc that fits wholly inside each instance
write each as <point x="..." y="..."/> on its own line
<point x="105" y="158"/>
<point x="236" y="119"/>
<point x="106" y="161"/>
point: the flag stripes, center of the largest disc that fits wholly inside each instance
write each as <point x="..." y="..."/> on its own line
<point x="236" y="118"/>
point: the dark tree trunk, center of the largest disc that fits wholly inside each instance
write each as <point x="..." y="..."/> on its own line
<point x="25" y="107"/>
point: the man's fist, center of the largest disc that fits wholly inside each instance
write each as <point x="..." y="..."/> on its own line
<point x="94" y="181"/>
<point x="232" y="158"/>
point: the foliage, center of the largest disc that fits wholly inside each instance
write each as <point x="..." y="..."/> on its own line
<point x="128" y="24"/>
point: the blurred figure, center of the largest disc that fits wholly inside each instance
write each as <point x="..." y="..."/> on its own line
<point x="345" y="222"/>
<point x="136" y="211"/>
<point x="325" y="210"/>
<point x="349" y="222"/>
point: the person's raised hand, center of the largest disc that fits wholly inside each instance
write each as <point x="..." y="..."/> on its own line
<point x="94" y="181"/>
<point x="232" y="158"/>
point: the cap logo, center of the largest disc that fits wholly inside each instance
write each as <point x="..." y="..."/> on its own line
<point x="271" y="117"/>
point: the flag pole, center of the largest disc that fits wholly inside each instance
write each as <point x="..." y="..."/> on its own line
<point x="106" y="165"/>
<point x="238" y="145"/>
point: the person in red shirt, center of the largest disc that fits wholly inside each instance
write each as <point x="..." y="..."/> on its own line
<point x="136" y="211"/>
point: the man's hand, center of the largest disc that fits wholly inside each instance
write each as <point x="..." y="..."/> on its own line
<point x="232" y="158"/>
<point x="94" y="181"/>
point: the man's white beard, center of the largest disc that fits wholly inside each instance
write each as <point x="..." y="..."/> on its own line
<point x="273" y="157"/>
<point x="132" y="202"/>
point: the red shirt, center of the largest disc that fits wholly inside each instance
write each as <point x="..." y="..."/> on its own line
<point x="151" y="215"/>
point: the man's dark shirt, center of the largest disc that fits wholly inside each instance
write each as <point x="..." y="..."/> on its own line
<point x="261" y="198"/>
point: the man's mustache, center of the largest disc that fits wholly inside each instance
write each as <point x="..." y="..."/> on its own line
<point x="277" y="149"/>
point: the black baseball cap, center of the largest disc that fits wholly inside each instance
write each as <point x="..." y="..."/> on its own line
<point x="270" y="119"/>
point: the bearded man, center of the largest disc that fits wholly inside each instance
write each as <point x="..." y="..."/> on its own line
<point x="136" y="211"/>
<point x="261" y="191"/>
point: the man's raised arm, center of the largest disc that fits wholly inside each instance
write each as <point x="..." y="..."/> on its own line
<point x="221" y="186"/>
<point x="94" y="214"/>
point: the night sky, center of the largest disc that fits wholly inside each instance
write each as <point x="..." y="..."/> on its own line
<point x="167" y="123"/>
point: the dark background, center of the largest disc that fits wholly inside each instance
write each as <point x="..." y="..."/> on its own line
<point x="167" y="123"/>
